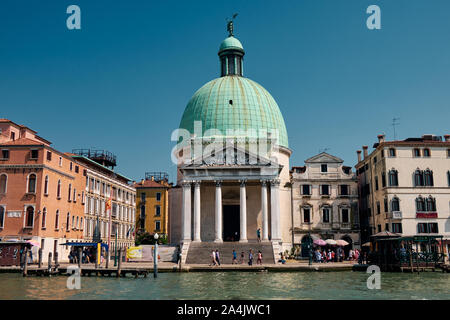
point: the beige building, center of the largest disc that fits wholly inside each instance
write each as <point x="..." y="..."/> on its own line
<point x="324" y="202"/>
<point x="405" y="187"/>
<point x="102" y="183"/>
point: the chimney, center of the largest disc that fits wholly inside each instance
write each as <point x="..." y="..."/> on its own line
<point x="142" y="181"/>
<point x="366" y="154"/>
<point x="447" y="137"/>
<point x="153" y="178"/>
<point x="381" y="138"/>
<point x="358" y="152"/>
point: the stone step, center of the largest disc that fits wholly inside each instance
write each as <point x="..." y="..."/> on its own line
<point x="200" y="253"/>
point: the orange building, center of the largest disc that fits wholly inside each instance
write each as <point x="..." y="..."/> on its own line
<point x="41" y="191"/>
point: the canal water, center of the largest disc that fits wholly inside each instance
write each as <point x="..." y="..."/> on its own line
<point x="232" y="285"/>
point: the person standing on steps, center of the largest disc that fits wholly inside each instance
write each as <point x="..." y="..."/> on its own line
<point x="213" y="258"/>
<point x="258" y="234"/>
<point x="242" y="257"/>
<point x="234" y="261"/>
<point x="217" y="257"/>
<point x="259" y="260"/>
<point x="250" y="258"/>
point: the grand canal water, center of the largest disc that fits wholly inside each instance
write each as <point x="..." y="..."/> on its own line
<point x="232" y="285"/>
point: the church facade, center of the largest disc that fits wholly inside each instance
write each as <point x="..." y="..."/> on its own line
<point x="233" y="180"/>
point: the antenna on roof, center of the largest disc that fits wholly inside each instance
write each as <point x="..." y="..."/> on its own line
<point x="394" y="124"/>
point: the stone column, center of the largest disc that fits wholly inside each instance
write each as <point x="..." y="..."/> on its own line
<point x="218" y="212"/>
<point x="243" y="216"/>
<point x="186" y="212"/>
<point x="197" y="211"/>
<point x="275" y="209"/>
<point x="264" y="207"/>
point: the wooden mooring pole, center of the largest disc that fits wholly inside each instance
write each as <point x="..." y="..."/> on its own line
<point x="40" y="258"/>
<point x="80" y="256"/>
<point x="119" y="264"/>
<point x="49" y="263"/>
<point x="25" y="262"/>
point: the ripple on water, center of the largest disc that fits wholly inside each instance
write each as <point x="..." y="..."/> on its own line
<point x="232" y="285"/>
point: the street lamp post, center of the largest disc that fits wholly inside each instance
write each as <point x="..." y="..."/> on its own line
<point x="155" y="256"/>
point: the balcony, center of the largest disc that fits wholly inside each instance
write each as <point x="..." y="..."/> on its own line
<point x="426" y="215"/>
<point x="394" y="215"/>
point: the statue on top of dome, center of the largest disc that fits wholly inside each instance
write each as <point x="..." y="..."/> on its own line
<point x="230" y="25"/>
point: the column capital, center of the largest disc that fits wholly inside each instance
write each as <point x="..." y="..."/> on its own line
<point x="243" y="182"/>
<point x="264" y="182"/>
<point x="197" y="183"/>
<point x="218" y="183"/>
<point x="186" y="183"/>
<point x="275" y="182"/>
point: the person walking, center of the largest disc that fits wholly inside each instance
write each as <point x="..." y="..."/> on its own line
<point x="250" y="258"/>
<point x="213" y="258"/>
<point x="259" y="260"/>
<point x="242" y="257"/>
<point x="234" y="261"/>
<point x="217" y="257"/>
<point x="258" y="234"/>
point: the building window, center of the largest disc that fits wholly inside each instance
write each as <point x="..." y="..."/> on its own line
<point x="158" y="211"/>
<point x="5" y="154"/>
<point x="70" y="193"/>
<point x="345" y="215"/>
<point x="386" y="226"/>
<point x="430" y="204"/>
<point x="428" y="178"/>
<point x="73" y="222"/>
<point x="57" y="220"/>
<point x="325" y="189"/>
<point x="448" y="153"/>
<point x="379" y="228"/>
<point x="386" y="208"/>
<point x="34" y="154"/>
<point x="68" y="221"/>
<point x="395" y="204"/>
<point x="306" y="189"/>
<point x="392" y="152"/>
<point x="374" y="160"/>
<point x="142" y="196"/>
<point x="74" y="195"/>
<point x="29" y="219"/>
<point x="60" y="161"/>
<point x="376" y="182"/>
<point x="393" y="178"/>
<point x="378" y="207"/>
<point x="326" y="215"/>
<point x="420" y="204"/>
<point x="448" y="178"/>
<point x="46" y="185"/>
<point x="306" y="215"/>
<point x="383" y="180"/>
<point x="157" y="225"/>
<point x="2" y="216"/>
<point x="58" y="190"/>
<point x="418" y="178"/>
<point x="158" y="196"/>
<point x="397" y="228"/>
<point x="426" y="152"/>
<point x="3" y="183"/>
<point x="323" y="168"/>
<point x="416" y="152"/>
<point x="343" y="190"/>
<point x="44" y="218"/>
<point x="31" y="183"/>
<point x="49" y="156"/>
<point x="427" y="227"/>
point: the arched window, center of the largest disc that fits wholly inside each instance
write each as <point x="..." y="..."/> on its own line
<point x="68" y="221"/>
<point x="77" y="226"/>
<point x="2" y="217"/>
<point x="395" y="204"/>
<point x="393" y="178"/>
<point x="3" y="183"/>
<point x="46" y="185"/>
<point x="428" y="177"/>
<point x="73" y="222"/>
<point x="57" y="220"/>
<point x="418" y="178"/>
<point x="420" y="204"/>
<point x="58" y="190"/>
<point x="44" y="218"/>
<point x="32" y="183"/>
<point x="29" y="219"/>
<point x="70" y="192"/>
<point x="431" y="204"/>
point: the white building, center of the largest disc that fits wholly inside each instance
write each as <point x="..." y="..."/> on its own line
<point x="325" y="202"/>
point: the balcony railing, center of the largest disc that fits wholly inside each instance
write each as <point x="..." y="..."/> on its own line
<point x="395" y="215"/>
<point x="426" y="214"/>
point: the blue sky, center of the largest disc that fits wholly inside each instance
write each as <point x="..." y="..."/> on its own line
<point x="122" y="82"/>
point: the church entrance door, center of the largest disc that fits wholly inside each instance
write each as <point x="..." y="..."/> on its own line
<point x="231" y="222"/>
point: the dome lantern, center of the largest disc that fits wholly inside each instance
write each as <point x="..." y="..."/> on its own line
<point x="231" y="54"/>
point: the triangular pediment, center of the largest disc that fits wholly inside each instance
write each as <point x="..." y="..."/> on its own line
<point x="231" y="155"/>
<point x="324" y="158"/>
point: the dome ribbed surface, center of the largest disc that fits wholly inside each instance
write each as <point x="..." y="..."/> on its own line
<point x="252" y="107"/>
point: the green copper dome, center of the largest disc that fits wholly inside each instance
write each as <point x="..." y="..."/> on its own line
<point x="234" y="102"/>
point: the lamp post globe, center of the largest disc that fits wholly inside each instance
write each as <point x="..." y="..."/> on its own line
<point x="156" y="236"/>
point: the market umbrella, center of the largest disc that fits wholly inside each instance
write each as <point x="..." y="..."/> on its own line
<point x="331" y="242"/>
<point x="34" y="243"/>
<point x="341" y="243"/>
<point x="320" y="242"/>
